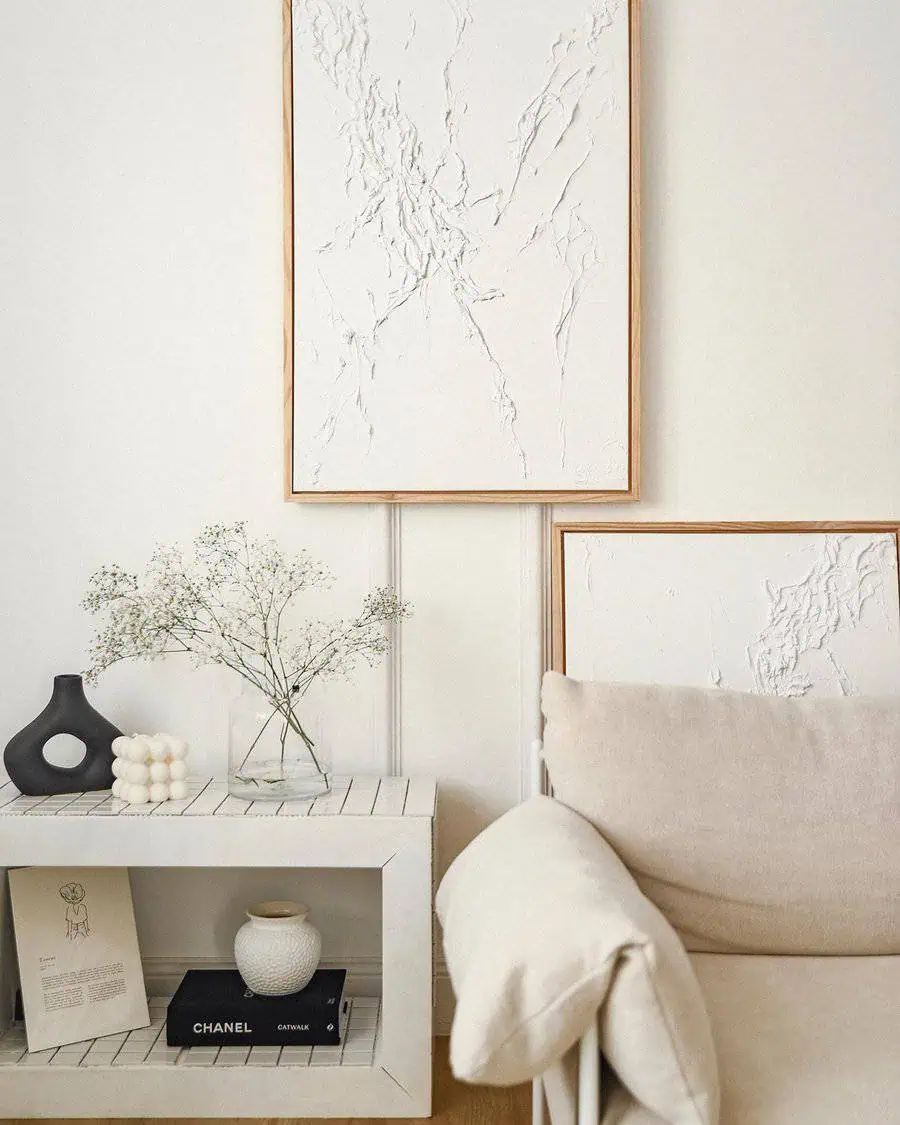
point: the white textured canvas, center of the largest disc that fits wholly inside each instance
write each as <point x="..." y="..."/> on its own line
<point x="461" y="176"/>
<point x="786" y="613"/>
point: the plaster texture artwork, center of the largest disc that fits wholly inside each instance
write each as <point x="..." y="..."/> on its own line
<point x="461" y="257"/>
<point x="810" y="615"/>
<point x="789" y="614"/>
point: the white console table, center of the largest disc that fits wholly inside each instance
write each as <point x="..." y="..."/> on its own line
<point x="383" y="1068"/>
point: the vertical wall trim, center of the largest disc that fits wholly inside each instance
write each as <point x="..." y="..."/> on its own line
<point x="384" y="570"/>
<point x="534" y="535"/>
<point x="395" y="567"/>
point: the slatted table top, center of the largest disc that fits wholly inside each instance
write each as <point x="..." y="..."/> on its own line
<point x="364" y="795"/>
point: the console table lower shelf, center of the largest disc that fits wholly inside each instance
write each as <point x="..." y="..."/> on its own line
<point x="135" y="1074"/>
<point x="383" y="1069"/>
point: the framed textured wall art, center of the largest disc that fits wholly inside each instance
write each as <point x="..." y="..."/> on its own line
<point x="773" y="608"/>
<point x="461" y="250"/>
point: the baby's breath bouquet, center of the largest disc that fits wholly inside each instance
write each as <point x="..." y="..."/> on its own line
<point x="233" y="600"/>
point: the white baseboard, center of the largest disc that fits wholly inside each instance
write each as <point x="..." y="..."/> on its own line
<point x="163" y="975"/>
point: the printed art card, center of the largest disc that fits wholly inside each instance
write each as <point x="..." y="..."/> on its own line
<point x="77" y="945"/>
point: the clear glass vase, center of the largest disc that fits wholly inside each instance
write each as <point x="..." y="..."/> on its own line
<point x="272" y="754"/>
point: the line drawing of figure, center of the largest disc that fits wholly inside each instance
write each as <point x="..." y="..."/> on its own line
<point x="77" y="924"/>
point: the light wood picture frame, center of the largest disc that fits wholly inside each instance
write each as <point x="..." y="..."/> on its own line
<point x="595" y="459"/>
<point x="781" y="608"/>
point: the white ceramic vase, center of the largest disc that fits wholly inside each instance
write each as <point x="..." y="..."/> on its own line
<point x="277" y="950"/>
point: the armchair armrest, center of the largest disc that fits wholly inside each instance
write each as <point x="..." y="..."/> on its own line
<point x="544" y="927"/>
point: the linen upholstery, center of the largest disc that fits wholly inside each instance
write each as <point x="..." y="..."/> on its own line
<point x="543" y="926"/>
<point x="801" y="1041"/>
<point x="755" y="824"/>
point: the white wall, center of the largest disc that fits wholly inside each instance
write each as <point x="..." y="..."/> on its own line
<point x="140" y="344"/>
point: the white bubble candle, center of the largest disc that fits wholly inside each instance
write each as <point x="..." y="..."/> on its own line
<point x="149" y="768"/>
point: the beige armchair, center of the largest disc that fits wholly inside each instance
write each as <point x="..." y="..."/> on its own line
<point x="711" y="900"/>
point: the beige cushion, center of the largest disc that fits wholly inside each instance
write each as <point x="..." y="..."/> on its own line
<point x="755" y="824"/>
<point x="543" y="926"/>
<point x="801" y="1041"/>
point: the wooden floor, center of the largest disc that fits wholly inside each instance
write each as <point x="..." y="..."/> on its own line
<point x="454" y="1103"/>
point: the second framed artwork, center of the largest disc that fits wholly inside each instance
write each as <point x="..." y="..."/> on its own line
<point x="788" y="609"/>
<point x="461" y="250"/>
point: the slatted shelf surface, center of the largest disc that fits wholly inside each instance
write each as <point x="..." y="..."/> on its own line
<point x="147" y="1047"/>
<point x="365" y="796"/>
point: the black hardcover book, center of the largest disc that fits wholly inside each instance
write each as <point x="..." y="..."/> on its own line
<point x="214" y="1008"/>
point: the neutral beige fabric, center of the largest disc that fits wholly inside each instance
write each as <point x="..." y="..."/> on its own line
<point x="543" y="926"/>
<point x="755" y="824"/>
<point x="801" y="1040"/>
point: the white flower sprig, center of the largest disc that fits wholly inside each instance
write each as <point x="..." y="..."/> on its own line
<point x="233" y="601"/>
